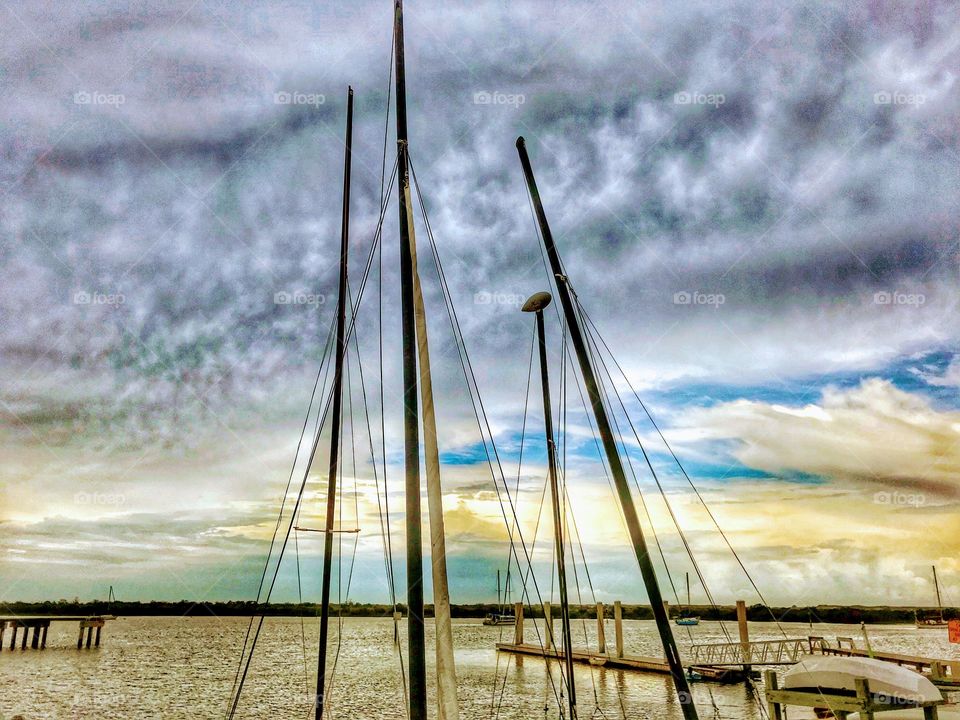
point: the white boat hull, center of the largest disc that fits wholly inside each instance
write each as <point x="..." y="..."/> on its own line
<point x="840" y="673"/>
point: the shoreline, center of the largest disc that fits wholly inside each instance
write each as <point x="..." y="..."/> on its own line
<point x="841" y="614"/>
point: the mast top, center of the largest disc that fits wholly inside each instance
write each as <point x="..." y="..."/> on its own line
<point x="536" y="302"/>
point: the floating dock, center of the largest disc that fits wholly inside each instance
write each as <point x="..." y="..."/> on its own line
<point x="41" y="623"/>
<point x="720" y="662"/>
<point x="600" y="657"/>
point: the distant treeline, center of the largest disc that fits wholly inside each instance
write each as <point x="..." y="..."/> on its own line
<point x="760" y="613"/>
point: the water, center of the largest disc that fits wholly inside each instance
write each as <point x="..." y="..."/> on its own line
<point x="184" y="668"/>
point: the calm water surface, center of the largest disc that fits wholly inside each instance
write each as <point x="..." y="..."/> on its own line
<point x="185" y="667"/>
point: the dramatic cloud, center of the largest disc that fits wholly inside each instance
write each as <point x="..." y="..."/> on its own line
<point x="873" y="433"/>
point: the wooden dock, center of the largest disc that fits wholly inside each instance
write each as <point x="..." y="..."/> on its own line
<point x="617" y="660"/>
<point x="40" y="624"/>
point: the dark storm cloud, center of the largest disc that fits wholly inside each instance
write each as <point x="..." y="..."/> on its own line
<point x="795" y="159"/>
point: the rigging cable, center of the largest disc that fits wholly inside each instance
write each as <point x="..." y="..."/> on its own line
<point x="238" y="684"/>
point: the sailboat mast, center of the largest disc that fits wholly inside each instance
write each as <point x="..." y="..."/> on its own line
<point x="336" y="416"/>
<point x="536" y="304"/>
<point x="411" y="425"/>
<point x="936" y="586"/>
<point x="610" y="449"/>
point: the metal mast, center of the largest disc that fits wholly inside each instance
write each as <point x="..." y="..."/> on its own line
<point x="411" y="424"/>
<point x="337" y="407"/>
<point x="535" y="304"/>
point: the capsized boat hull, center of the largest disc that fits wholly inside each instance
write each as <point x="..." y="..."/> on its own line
<point x="825" y="672"/>
<point x="687" y="621"/>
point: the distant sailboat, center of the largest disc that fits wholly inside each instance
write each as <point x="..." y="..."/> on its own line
<point x="932" y="619"/>
<point x="686" y="616"/>
<point x="503" y="615"/>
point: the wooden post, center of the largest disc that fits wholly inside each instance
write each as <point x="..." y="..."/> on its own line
<point x="774" y="709"/>
<point x="744" y="635"/>
<point x="601" y="634"/>
<point x="80" y="637"/>
<point x="89" y="637"/>
<point x="23" y="643"/>
<point x="666" y="607"/>
<point x="13" y="638"/>
<point x="548" y="621"/>
<point x="518" y="623"/>
<point x="618" y="626"/>
<point x="35" y="641"/>
<point x="43" y="638"/>
<point x="863" y="693"/>
<point x="3" y="629"/>
<point x="97" y="641"/>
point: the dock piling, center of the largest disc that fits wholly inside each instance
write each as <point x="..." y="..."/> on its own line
<point x="13" y="636"/>
<point x="518" y="623"/>
<point x="548" y="621"/>
<point x="601" y="634"/>
<point x="618" y="626"/>
<point x="43" y="638"/>
<point x="744" y="634"/>
<point x="774" y="709"/>
<point x="35" y="641"/>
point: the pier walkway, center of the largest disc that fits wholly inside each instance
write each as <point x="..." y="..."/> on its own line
<point x="41" y="623"/>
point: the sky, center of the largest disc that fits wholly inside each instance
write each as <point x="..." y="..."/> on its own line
<point x="756" y="202"/>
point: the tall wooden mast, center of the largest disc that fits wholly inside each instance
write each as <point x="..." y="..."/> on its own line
<point x="610" y="447"/>
<point x="411" y="426"/>
<point x="333" y="467"/>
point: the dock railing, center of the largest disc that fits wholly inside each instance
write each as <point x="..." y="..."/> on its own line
<point x="754" y="652"/>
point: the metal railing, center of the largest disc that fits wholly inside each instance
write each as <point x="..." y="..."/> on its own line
<point x="760" y="652"/>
